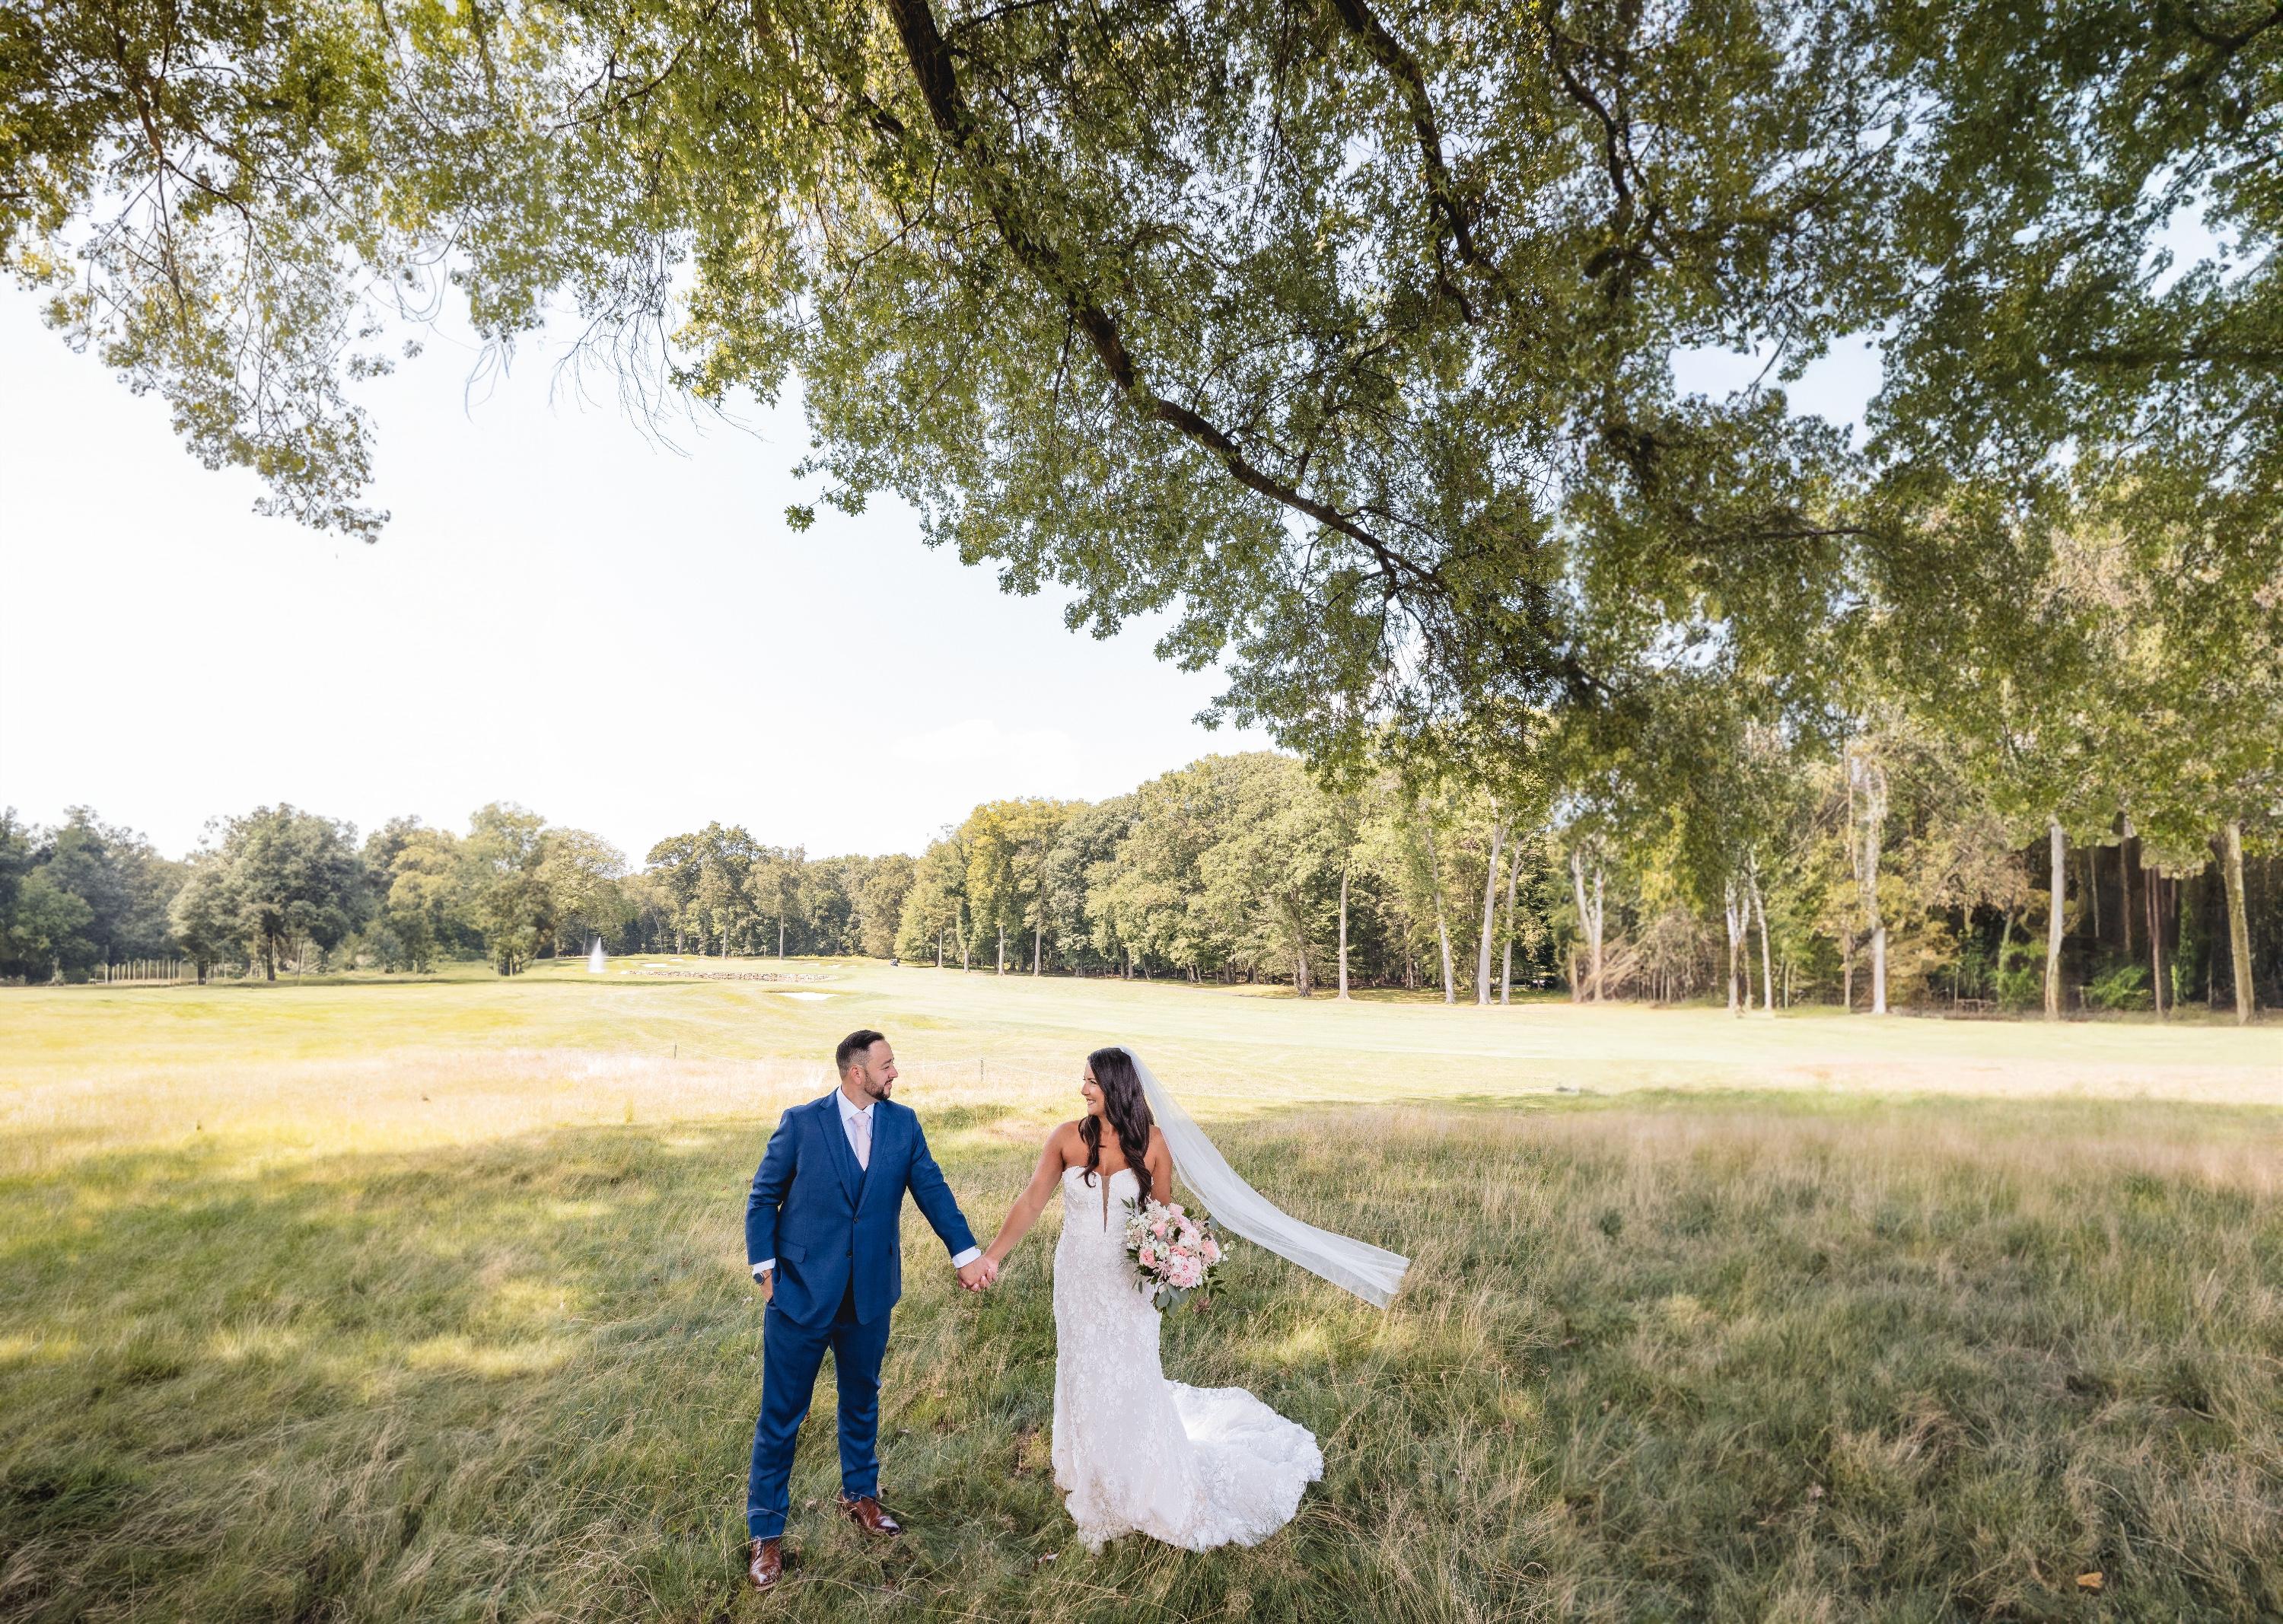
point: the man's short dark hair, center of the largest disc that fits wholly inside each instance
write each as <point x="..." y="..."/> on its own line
<point x="855" y="1043"/>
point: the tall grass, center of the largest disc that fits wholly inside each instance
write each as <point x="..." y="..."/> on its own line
<point x="330" y="1350"/>
<point x="1654" y="1363"/>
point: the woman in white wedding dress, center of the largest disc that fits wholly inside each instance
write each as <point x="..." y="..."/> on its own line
<point x="1134" y="1453"/>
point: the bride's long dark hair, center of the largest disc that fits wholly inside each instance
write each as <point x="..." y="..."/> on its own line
<point x="1127" y="1111"/>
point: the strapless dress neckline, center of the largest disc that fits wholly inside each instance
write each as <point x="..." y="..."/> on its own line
<point x="1121" y="1173"/>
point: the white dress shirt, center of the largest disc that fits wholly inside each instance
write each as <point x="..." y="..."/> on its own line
<point x="856" y="1122"/>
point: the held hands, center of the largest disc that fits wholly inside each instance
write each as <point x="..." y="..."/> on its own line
<point x="980" y="1274"/>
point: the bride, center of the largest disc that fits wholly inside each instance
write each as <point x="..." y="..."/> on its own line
<point x="1134" y="1453"/>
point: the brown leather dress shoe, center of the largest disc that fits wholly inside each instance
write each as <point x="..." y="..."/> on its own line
<point x="867" y="1514"/>
<point x="768" y="1564"/>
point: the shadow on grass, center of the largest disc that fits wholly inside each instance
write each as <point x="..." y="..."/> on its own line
<point x="1772" y="1364"/>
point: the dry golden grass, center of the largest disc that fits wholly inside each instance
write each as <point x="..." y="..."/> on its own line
<point x="427" y="1303"/>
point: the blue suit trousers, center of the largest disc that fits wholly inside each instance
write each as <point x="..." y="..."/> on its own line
<point x="790" y="1357"/>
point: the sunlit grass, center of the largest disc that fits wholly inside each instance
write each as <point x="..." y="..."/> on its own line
<point x="426" y="1302"/>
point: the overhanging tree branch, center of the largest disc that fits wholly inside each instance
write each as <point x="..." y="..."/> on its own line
<point x="1400" y="66"/>
<point x="925" y="48"/>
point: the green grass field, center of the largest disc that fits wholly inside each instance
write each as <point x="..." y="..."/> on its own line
<point x="424" y="1300"/>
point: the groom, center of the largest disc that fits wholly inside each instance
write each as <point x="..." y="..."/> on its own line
<point x="821" y="1233"/>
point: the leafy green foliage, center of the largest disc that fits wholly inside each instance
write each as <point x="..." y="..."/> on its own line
<point x="2118" y="987"/>
<point x="80" y="896"/>
<point x="1344" y="336"/>
<point x="505" y="896"/>
<point x="279" y="878"/>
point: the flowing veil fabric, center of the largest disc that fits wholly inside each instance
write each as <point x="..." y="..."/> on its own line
<point x="1369" y="1271"/>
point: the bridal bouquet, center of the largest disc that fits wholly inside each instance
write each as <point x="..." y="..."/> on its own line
<point x="1175" y="1253"/>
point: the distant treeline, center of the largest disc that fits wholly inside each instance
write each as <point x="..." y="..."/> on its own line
<point x="1875" y="883"/>
<point x="283" y="890"/>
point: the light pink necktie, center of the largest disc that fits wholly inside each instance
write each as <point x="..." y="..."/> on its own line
<point x="863" y="1124"/>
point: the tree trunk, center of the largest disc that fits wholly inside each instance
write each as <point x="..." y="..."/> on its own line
<point x="1767" y="965"/>
<point x="1584" y="920"/>
<point x="1002" y="949"/>
<point x="1590" y="915"/>
<point x="2156" y="943"/>
<point x="1871" y="778"/>
<point x="781" y="929"/>
<point x="1344" y="933"/>
<point x="1505" y="972"/>
<point x="2056" y="925"/>
<point x="938" y="947"/>
<point x="2239" y="923"/>
<point x="1489" y="915"/>
<point x="1847" y="970"/>
<point x="1442" y="921"/>
<point x="1038" y="947"/>
<point x="1730" y="909"/>
<point x="1601" y="921"/>
<point x="2124" y="866"/>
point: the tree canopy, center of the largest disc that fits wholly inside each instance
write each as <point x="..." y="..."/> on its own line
<point x="1345" y="333"/>
<point x="1352" y="335"/>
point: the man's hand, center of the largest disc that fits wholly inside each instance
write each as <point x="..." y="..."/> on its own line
<point x="978" y="1275"/>
<point x="767" y="1280"/>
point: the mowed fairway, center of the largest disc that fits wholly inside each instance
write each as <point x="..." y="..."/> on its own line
<point x="425" y="1301"/>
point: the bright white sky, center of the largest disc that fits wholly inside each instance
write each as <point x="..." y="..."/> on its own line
<point x="559" y="612"/>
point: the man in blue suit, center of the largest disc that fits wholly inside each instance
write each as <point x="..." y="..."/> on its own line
<point x="822" y="1233"/>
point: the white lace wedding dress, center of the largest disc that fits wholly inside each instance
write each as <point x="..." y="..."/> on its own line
<point x="1133" y="1452"/>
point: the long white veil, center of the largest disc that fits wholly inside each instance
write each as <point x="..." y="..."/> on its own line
<point x="1370" y="1272"/>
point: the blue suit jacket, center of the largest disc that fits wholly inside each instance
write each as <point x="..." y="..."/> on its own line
<point x="830" y="1223"/>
